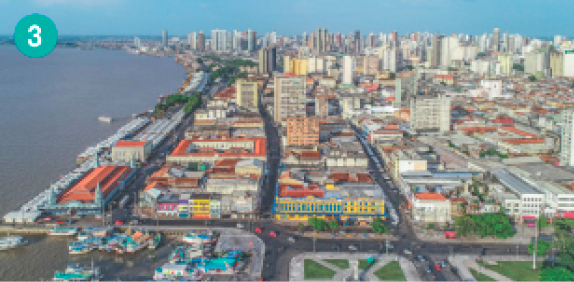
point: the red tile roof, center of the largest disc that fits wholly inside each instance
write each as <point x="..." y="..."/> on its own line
<point x="122" y="143"/>
<point x="84" y="190"/>
<point x="430" y="196"/>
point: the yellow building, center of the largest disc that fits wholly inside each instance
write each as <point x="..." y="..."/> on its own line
<point x="247" y="96"/>
<point x="199" y="205"/>
<point x="506" y="64"/>
<point x="346" y="204"/>
<point x="298" y="66"/>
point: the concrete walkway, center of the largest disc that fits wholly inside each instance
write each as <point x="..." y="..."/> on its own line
<point x="465" y="263"/>
<point x="297" y="265"/>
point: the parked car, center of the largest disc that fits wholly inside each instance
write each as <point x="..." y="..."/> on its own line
<point x="353" y="247"/>
<point x="336" y="247"/>
<point x="407" y="252"/>
<point x="239" y="225"/>
<point x="421" y="258"/>
<point x="118" y="222"/>
<point x="438" y="267"/>
<point x="428" y="269"/>
<point x="443" y="263"/>
<point x="273" y="234"/>
<point x="292" y="239"/>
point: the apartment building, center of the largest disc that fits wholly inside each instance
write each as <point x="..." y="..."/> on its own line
<point x="247" y="96"/>
<point x="430" y="113"/>
<point x="302" y="131"/>
<point x="290" y="98"/>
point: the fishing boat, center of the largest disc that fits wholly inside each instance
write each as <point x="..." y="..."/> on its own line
<point x="11" y="242"/>
<point x="154" y="243"/>
<point x="63" y="231"/>
<point x="198" y="238"/>
<point x="105" y="119"/>
<point x="78" y="272"/>
<point x="81" y="250"/>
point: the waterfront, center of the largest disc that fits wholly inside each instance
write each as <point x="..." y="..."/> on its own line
<point x="46" y="254"/>
<point x="49" y="109"/>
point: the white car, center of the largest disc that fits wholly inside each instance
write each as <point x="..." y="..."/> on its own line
<point x="292" y="239"/>
<point x="239" y="225"/>
<point x="353" y="247"/>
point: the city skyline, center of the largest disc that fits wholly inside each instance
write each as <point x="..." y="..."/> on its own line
<point x="123" y="17"/>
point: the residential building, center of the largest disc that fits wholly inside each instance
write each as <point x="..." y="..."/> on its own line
<point x="431" y="207"/>
<point x="201" y="41"/>
<point x="247" y="94"/>
<point x="568" y="64"/>
<point x="211" y="150"/>
<point x="506" y="64"/>
<point x="430" y="113"/>
<point x="347" y="70"/>
<point x="302" y="131"/>
<point x="371" y="65"/>
<point x="164" y="38"/>
<point x="567" y="144"/>
<point x="290" y="98"/>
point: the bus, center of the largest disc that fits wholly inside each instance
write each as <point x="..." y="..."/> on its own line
<point x="124" y="201"/>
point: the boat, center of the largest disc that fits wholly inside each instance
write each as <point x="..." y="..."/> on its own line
<point x="81" y="250"/>
<point x="105" y="119"/>
<point x="154" y="243"/>
<point x="198" y="238"/>
<point x="63" y="231"/>
<point x="78" y="272"/>
<point x="11" y="242"/>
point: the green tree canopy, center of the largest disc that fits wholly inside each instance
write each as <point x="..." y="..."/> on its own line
<point x="379" y="226"/>
<point x="334" y="225"/>
<point x="556" y="274"/>
<point x="532" y="78"/>
<point x="318" y="224"/>
<point x="543" y="248"/>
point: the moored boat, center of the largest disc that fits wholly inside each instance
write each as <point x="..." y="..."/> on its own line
<point x="11" y="242"/>
<point x="63" y="231"/>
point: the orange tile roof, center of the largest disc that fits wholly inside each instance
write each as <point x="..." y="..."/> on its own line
<point x="84" y="189"/>
<point x="259" y="147"/>
<point x="519" y="132"/>
<point x="123" y="143"/>
<point x="430" y="196"/>
<point x="524" y="141"/>
<point x="227" y="162"/>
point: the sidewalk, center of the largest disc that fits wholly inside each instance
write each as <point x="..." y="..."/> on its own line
<point x="464" y="263"/>
<point x="297" y="265"/>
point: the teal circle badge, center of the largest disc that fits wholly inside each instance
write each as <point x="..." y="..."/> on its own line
<point x="36" y="36"/>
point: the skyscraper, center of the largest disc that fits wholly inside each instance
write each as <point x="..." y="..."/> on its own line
<point x="347" y="70"/>
<point x="201" y="41"/>
<point x="290" y="99"/>
<point x="250" y="40"/>
<point x="164" y="38"/>
<point x="436" y="47"/>
<point x="395" y="36"/>
<point x="496" y="40"/>
<point x="219" y="40"/>
<point x="567" y="146"/>
<point x="268" y="59"/>
<point x="357" y="42"/>
<point x="137" y="42"/>
<point x="430" y="113"/>
<point x="192" y="40"/>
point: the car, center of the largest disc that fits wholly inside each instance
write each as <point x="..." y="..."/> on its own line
<point x="443" y="263"/>
<point x="59" y="222"/>
<point x="353" y="247"/>
<point x="438" y="267"/>
<point x="118" y="222"/>
<point x="272" y="233"/>
<point x="78" y="216"/>
<point x="292" y="239"/>
<point x="239" y="225"/>
<point x="421" y="258"/>
<point x="390" y="246"/>
<point x="428" y="269"/>
<point x="407" y="252"/>
<point x="336" y="247"/>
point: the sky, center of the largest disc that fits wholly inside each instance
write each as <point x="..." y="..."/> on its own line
<point x="536" y="18"/>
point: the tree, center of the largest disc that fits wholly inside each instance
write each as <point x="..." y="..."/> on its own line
<point x="518" y="67"/>
<point x="532" y="78"/>
<point x="392" y="75"/>
<point x="464" y="225"/>
<point x="410" y="67"/>
<point x="318" y="224"/>
<point x="543" y="248"/>
<point x="379" y="226"/>
<point x="334" y="225"/>
<point x="556" y="274"/>
<point x="430" y="226"/>
<point x="542" y="222"/>
<point x="300" y="226"/>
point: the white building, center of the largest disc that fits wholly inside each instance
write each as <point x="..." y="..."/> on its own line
<point x="219" y="40"/>
<point x="567" y="146"/>
<point x="532" y="202"/>
<point x="347" y="70"/>
<point x="431" y="207"/>
<point x="568" y="63"/>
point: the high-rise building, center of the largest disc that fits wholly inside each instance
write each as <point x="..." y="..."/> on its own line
<point x="219" y="40"/>
<point x="251" y="40"/>
<point x="347" y="70"/>
<point x="436" y="47"/>
<point x="557" y="41"/>
<point x="268" y="59"/>
<point x="371" y="65"/>
<point x="192" y="40"/>
<point x="302" y="131"/>
<point x="536" y="62"/>
<point x="137" y="42"/>
<point x="447" y="53"/>
<point x="567" y="138"/>
<point x="201" y="41"/>
<point x="568" y="64"/>
<point x="319" y="40"/>
<point x="557" y="63"/>
<point x="164" y="38"/>
<point x="247" y="96"/>
<point x="496" y="40"/>
<point x="357" y="42"/>
<point x="290" y="98"/>
<point x="506" y="63"/>
<point x="430" y="113"/>
<point x="395" y="36"/>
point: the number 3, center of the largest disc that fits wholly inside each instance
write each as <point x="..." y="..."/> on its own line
<point x="37" y="35"/>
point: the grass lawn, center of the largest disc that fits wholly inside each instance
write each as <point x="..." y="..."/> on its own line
<point x="340" y="263"/>
<point x="391" y="272"/>
<point x="516" y="270"/>
<point x="313" y="270"/>
<point x="479" y="276"/>
<point x="363" y="264"/>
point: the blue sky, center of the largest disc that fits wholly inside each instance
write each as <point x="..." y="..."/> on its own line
<point x="179" y="17"/>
